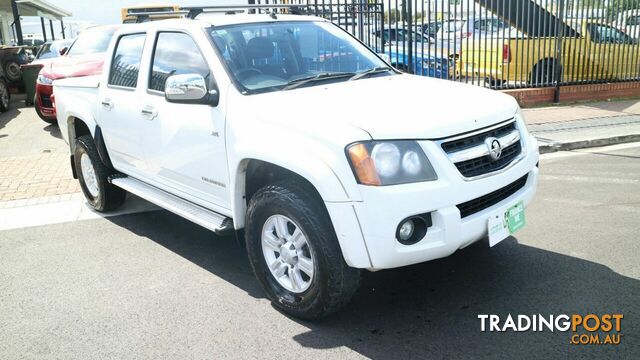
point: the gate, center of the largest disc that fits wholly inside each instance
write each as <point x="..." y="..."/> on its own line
<point x="501" y="44"/>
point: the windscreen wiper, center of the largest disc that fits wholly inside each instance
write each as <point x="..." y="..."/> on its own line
<point x="322" y="76"/>
<point x="371" y="71"/>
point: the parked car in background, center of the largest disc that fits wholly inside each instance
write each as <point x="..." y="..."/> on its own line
<point x="629" y="22"/>
<point x="51" y="50"/>
<point x="535" y="61"/>
<point x="431" y="28"/>
<point x="397" y="37"/>
<point x="454" y="33"/>
<point x="423" y="63"/>
<point x="84" y="57"/>
<point x="33" y="42"/>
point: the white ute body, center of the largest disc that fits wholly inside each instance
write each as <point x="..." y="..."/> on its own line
<point x="199" y="153"/>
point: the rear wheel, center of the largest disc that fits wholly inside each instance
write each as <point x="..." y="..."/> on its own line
<point x="93" y="176"/>
<point x="494" y="83"/>
<point x="542" y="74"/>
<point x="295" y="254"/>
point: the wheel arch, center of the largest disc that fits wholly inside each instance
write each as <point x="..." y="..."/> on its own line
<point x="78" y="126"/>
<point x="252" y="173"/>
<point x="544" y="62"/>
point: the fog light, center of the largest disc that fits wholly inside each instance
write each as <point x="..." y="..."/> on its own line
<point x="406" y="230"/>
<point x="413" y="229"/>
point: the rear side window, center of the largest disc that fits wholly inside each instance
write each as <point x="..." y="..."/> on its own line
<point x="175" y="54"/>
<point x="125" y="65"/>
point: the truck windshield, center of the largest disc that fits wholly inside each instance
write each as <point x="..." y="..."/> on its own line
<point x="264" y="57"/>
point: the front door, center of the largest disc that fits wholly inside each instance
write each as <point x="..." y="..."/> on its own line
<point x="185" y="148"/>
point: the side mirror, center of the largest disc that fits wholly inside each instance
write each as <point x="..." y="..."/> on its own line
<point x="63" y="50"/>
<point x="190" y="89"/>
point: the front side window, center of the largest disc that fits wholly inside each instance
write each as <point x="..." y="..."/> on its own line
<point x="92" y="41"/>
<point x="125" y="65"/>
<point x="175" y="54"/>
<point x="608" y="35"/>
<point x="270" y="56"/>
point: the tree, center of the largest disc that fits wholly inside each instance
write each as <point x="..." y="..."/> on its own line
<point x="618" y="6"/>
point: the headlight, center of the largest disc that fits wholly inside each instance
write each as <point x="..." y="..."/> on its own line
<point x="43" y="79"/>
<point x="389" y="162"/>
<point x="522" y="125"/>
<point x="519" y="116"/>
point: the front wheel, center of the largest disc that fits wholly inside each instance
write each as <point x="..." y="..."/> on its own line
<point x="93" y="176"/>
<point x="295" y="254"/>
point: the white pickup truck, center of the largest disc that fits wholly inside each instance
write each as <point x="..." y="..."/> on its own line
<point x="290" y="129"/>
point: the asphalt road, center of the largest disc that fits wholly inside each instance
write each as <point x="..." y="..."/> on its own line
<point x="152" y="285"/>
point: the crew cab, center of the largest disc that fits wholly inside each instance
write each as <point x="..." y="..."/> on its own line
<point x="241" y="124"/>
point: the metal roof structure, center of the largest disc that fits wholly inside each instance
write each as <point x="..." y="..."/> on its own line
<point x="11" y="10"/>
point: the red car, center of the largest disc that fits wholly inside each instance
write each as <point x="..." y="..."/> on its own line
<point x="83" y="58"/>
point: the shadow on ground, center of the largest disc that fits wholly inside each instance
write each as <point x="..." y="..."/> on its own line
<point x="17" y="103"/>
<point x="431" y="310"/>
<point x="53" y="130"/>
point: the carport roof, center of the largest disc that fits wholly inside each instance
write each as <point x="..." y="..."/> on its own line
<point x="36" y="8"/>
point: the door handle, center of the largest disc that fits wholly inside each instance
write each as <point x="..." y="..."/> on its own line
<point x="149" y="112"/>
<point x="107" y="104"/>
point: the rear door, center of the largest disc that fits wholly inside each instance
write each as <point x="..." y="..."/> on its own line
<point x="185" y="148"/>
<point x="117" y="105"/>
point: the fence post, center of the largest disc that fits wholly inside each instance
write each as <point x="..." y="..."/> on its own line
<point x="409" y="21"/>
<point x="382" y="28"/>
<point x="559" y="50"/>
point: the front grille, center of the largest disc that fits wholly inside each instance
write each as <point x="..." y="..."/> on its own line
<point x="485" y="164"/>
<point x="457" y="149"/>
<point x="477" y="139"/>
<point x="476" y="205"/>
<point x="45" y="100"/>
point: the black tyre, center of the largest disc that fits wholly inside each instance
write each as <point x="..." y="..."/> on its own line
<point x="494" y="83"/>
<point x="92" y="175"/>
<point x="542" y="74"/>
<point x="5" y="96"/>
<point x="295" y="254"/>
<point x="12" y="69"/>
<point x="48" y="120"/>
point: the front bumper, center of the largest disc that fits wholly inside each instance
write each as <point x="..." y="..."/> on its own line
<point x="43" y="100"/>
<point x="376" y="218"/>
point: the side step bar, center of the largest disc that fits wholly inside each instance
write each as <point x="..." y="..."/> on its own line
<point x="218" y="223"/>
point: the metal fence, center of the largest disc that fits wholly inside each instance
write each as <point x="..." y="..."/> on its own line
<point x="500" y="44"/>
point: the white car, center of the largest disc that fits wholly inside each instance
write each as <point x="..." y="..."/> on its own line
<point x="629" y="22"/>
<point x="454" y="33"/>
<point x="280" y="126"/>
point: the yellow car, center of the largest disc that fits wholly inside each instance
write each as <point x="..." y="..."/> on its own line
<point x="597" y="52"/>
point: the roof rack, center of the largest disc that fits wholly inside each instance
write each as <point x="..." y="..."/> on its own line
<point x="191" y="12"/>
